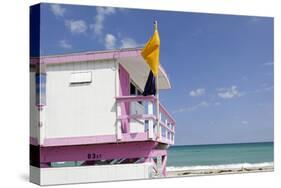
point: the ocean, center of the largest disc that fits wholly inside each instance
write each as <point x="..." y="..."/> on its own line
<point x="220" y="156"/>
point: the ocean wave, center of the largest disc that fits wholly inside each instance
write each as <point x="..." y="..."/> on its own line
<point x="224" y="166"/>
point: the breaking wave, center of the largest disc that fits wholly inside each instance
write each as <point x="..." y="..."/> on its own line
<point x="219" y="167"/>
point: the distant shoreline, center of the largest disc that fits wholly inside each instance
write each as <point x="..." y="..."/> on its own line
<point x="223" y="144"/>
<point x="216" y="171"/>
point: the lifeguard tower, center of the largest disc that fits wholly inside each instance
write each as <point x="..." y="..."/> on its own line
<point x="90" y="122"/>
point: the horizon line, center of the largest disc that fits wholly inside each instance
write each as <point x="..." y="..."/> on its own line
<point x="224" y="143"/>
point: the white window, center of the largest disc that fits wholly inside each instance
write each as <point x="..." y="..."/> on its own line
<point x="134" y="90"/>
<point x="80" y="77"/>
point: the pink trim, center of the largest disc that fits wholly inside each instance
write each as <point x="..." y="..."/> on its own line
<point x="127" y="137"/>
<point x="164" y="163"/>
<point x="127" y="99"/>
<point x="34" y="60"/>
<point x="146" y="117"/>
<point x="135" y="98"/>
<point x="91" y="56"/>
<point x="33" y="141"/>
<point x="44" y="165"/>
<point x="88" y="56"/>
<point x="100" y="152"/>
<point x="79" y="140"/>
<point x="152" y="98"/>
<point x="164" y="125"/>
<point x="124" y="90"/>
<point x="138" y="116"/>
<point x="69" y="141"/>
<point x="166" y="113"/>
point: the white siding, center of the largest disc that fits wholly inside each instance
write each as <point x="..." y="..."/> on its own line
<point x="83" y="174"/>
<point x="34" y="113"/>
<point x="75" y="110"/>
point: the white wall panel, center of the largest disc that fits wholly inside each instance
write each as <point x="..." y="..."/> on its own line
<point x="34" y="114"/>
<point x="82" y="174"/>
<point x="80" y="109"/>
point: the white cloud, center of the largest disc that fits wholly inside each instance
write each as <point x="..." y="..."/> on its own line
<point x="76" y="26"/>
<point x="263" y="89"/>
<point x="244" y="122"/>
<point x="197" y="92"/>
<point x="57" y="10"/>
<point x="217" y="103"/>
<point x="192" y="108"/>
<point x="228" y="93"/>
<point x="268" y="64"/>
<point x="64" y="44"/>
<point x="110" y="41"/>
<point x="102" y="12"/>
<point x="128" y="43"/>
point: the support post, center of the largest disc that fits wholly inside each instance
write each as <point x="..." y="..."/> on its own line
<point x="164" y="164"/>
<point x="173" y="138"/>
<point x="118" y="105"/>
<point x="157" y="96"/>
<point x="159" y="165"/>
<point x="173" y="135"/>
<point x="118" y="123"/>
<point x="150" y="121"/>
<point x="159" y="135"/>
<point x="166" y="131"/>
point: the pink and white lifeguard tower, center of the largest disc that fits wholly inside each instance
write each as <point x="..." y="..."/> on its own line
<point x="90" y="122"/>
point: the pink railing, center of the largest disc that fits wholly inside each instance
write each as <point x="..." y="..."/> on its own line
<point x="148" y="118"/>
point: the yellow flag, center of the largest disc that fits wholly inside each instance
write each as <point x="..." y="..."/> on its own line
<point x="151" y="52"/>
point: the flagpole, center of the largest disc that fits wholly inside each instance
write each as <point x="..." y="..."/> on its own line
<point x="157" y="95"/>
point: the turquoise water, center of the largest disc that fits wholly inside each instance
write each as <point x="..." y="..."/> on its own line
<point x="220" y="154"/>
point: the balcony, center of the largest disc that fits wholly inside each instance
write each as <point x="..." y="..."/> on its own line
<point x="138" y="114"/>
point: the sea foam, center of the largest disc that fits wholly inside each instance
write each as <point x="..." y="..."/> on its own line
<point x="223" y="166"/>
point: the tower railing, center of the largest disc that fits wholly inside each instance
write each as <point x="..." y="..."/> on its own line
<point x="139" y="113"/>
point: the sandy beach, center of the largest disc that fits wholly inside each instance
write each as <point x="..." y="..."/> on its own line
<point x="202" y="172"/>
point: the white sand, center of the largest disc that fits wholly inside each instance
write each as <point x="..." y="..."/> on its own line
<point x="203" y="172"/>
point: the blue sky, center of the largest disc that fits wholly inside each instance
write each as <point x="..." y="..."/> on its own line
<point x="220" y="66"/>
